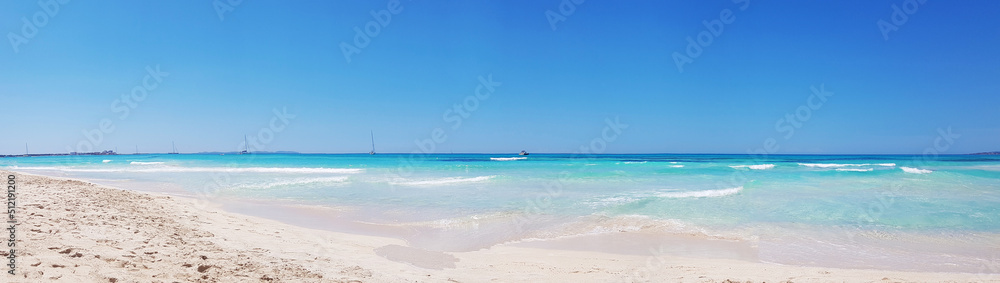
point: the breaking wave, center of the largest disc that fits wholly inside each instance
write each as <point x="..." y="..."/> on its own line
<point x="915" y="170"/>
<point x="293" y="182"/>
<point x="855" y="170"/>
<point x="835" y="165"/>
<point x="754" y="167"/>
<point x="444" y="181"/>
<point x="702" y="194"/>
<point x="507" y="158"/>
<point x="203" y="170"/>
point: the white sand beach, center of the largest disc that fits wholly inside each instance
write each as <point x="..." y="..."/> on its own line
<point x="75" y="231"/>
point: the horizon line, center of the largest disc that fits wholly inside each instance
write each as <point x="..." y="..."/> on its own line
<point x="456" y="153"/>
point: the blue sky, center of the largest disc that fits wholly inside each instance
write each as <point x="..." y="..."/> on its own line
<point x="226" y="76"/>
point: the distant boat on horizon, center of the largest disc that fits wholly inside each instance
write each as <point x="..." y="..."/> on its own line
<point x="523" y="153"/>
<point x="373" y="143"/>
<point x="172" y="145"/>
<point x="246" y="150"/>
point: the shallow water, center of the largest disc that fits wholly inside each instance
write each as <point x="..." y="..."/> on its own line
<point x="862" y="211"/>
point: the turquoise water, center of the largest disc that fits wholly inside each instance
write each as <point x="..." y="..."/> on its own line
<point x="892" y="203"/>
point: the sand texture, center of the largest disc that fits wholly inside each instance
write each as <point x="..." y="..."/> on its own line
<point x="75" y="231"/>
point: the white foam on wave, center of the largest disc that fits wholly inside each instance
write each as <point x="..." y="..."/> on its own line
<point x="855" y="170"/>
<point x="444" y="181"/>
<point x="612" y="201"/>
<point x="985" y="167"/>
<point x="827" y="165"/>
<point x="507" y="158"/>
<point x="836" y="165"/>
<point x="293" y="182"/>
<point x="915" y="170"/>
<point x="458" y="222"/>
<point x="143" y="163"/>
<point x="106" y="161"/>
<point x="635" y="197"/>
<point x="702" y="194"/>
<point x="635" y="162"/>
<point x="305" y="170"/>
<point x="754" y="167"/>
<point x="677" y="166"/>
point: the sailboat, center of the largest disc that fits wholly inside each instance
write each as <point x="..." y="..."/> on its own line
<point x="174" y="147"/>
<point x="373" y="143"/>
<point x="245" y="143"/>
<point x="137" y="149"/>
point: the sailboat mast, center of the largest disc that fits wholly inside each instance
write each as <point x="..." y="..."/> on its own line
<point x="373" y="140"/>
<point x="246" y="144"/>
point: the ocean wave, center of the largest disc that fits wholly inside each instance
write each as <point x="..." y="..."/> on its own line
<point x="855" y="170"/>
<point x="702" y="194"/>
<point x="599" y="223"/>
<point x="613" y="201"/>
<point x="144" y="163"/>
<point x="836" y="165"/>
<point x="293" y="182"/>
<point x="105" y="161"/>
<point x="915" y="170"/>
<point x="444" y="181"/>
<point x="507" y="158"/>
<point x="635" y="162"/>
<point x="458" y="222"/>
<point x="535" y="227"/>
<point x="985" y="167"/>
<point x="204" y="170"/>
<point x="677" y="166"/>
<point x="754" y="167"/>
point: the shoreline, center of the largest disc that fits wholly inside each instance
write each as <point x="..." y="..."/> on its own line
<point x="79" y="231"/>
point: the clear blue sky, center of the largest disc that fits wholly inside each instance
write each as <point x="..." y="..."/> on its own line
<point x="939" y="69"/>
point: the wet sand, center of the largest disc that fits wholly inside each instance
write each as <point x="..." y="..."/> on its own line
<point x="75" y="231"/>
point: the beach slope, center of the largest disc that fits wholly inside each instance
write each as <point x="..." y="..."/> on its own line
<point x="75" y="231"/>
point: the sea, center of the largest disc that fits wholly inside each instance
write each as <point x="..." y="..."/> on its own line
<point x="899" y="212"/>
